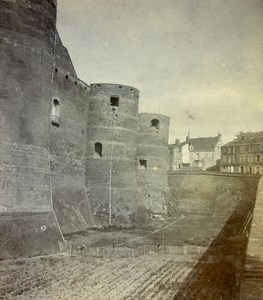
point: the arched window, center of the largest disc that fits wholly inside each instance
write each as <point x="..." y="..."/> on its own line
<point x="155" y="123"/>
<point x="55" y="113"/>
<point x="98" y="150"/>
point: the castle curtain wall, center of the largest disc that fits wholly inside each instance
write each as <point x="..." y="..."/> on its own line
<point x="68" y="145"/>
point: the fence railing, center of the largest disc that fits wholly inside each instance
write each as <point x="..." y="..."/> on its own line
<point x="123" y="252"/>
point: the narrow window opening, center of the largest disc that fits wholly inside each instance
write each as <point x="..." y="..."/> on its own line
<point x="98" y="150"/>
<point x="55" y="113"/>
<point x="258" y="157"/>
<point x="142" y="164"/>
<point x="155" y="123"/>
<point x="114" y="101"/>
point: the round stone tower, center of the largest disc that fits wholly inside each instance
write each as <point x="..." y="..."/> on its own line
<point x="111" y="150"/>
<point x="27" y="36"/>
<point x="153" y="161"/>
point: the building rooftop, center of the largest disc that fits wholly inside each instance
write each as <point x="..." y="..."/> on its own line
<point x="246" y="138"/>
<point x="206" y="144"/>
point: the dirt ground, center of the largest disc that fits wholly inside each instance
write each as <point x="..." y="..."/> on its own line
<point x="148" y="276"/>
<point x="74" y="277"/>
<point x="185" y="230"/>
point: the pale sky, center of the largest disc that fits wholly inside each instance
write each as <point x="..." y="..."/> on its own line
<point x="197" y="61"/>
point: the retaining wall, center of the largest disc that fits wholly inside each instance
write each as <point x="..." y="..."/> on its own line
<point x="211" y="192"/>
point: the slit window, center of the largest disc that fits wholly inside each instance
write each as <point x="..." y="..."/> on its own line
<point x="55" y="113"/>
<point x="114" y="101"/>
<point x="142" y="164"/>
<point x="155" y="123"/>
<point x="98" y="150"/>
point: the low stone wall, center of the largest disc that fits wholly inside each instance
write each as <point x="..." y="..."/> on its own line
<point x="211" y="192"/>
<point x="252" y="275"/>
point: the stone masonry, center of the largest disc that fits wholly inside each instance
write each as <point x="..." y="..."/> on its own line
<point x="71" y="153"/>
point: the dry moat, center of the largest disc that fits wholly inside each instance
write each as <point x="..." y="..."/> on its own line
<point x="152" y="263"/>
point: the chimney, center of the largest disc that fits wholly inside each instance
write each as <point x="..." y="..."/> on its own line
<point x="177" y="142"/>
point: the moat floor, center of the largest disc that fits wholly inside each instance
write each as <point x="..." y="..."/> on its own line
<point x="152" y="276"/>
<point x="185" y="230"/>
<point x="149" y="275"/>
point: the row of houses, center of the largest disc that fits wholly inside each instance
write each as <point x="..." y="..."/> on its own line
<point x="195" y="153"/>
<point x="242" y="155"/>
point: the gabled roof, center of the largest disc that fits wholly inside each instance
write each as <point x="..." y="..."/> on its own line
<point x="246" y="139"/>
<point x="175" y="145"/>
<point x="206" y="144"/>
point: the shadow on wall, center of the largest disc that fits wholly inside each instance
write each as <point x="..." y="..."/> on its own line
<point x="217" y="275"/>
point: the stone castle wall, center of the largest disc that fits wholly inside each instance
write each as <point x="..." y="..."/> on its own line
<point x="68" y="146"/>
<point x="211" y="193"/>
<point x="26" y="49"/>
<point x="110" y="171"/>
<point x="26" y="74"/>
<point x="68" y="150"/>
<point x="153" y="130"/>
